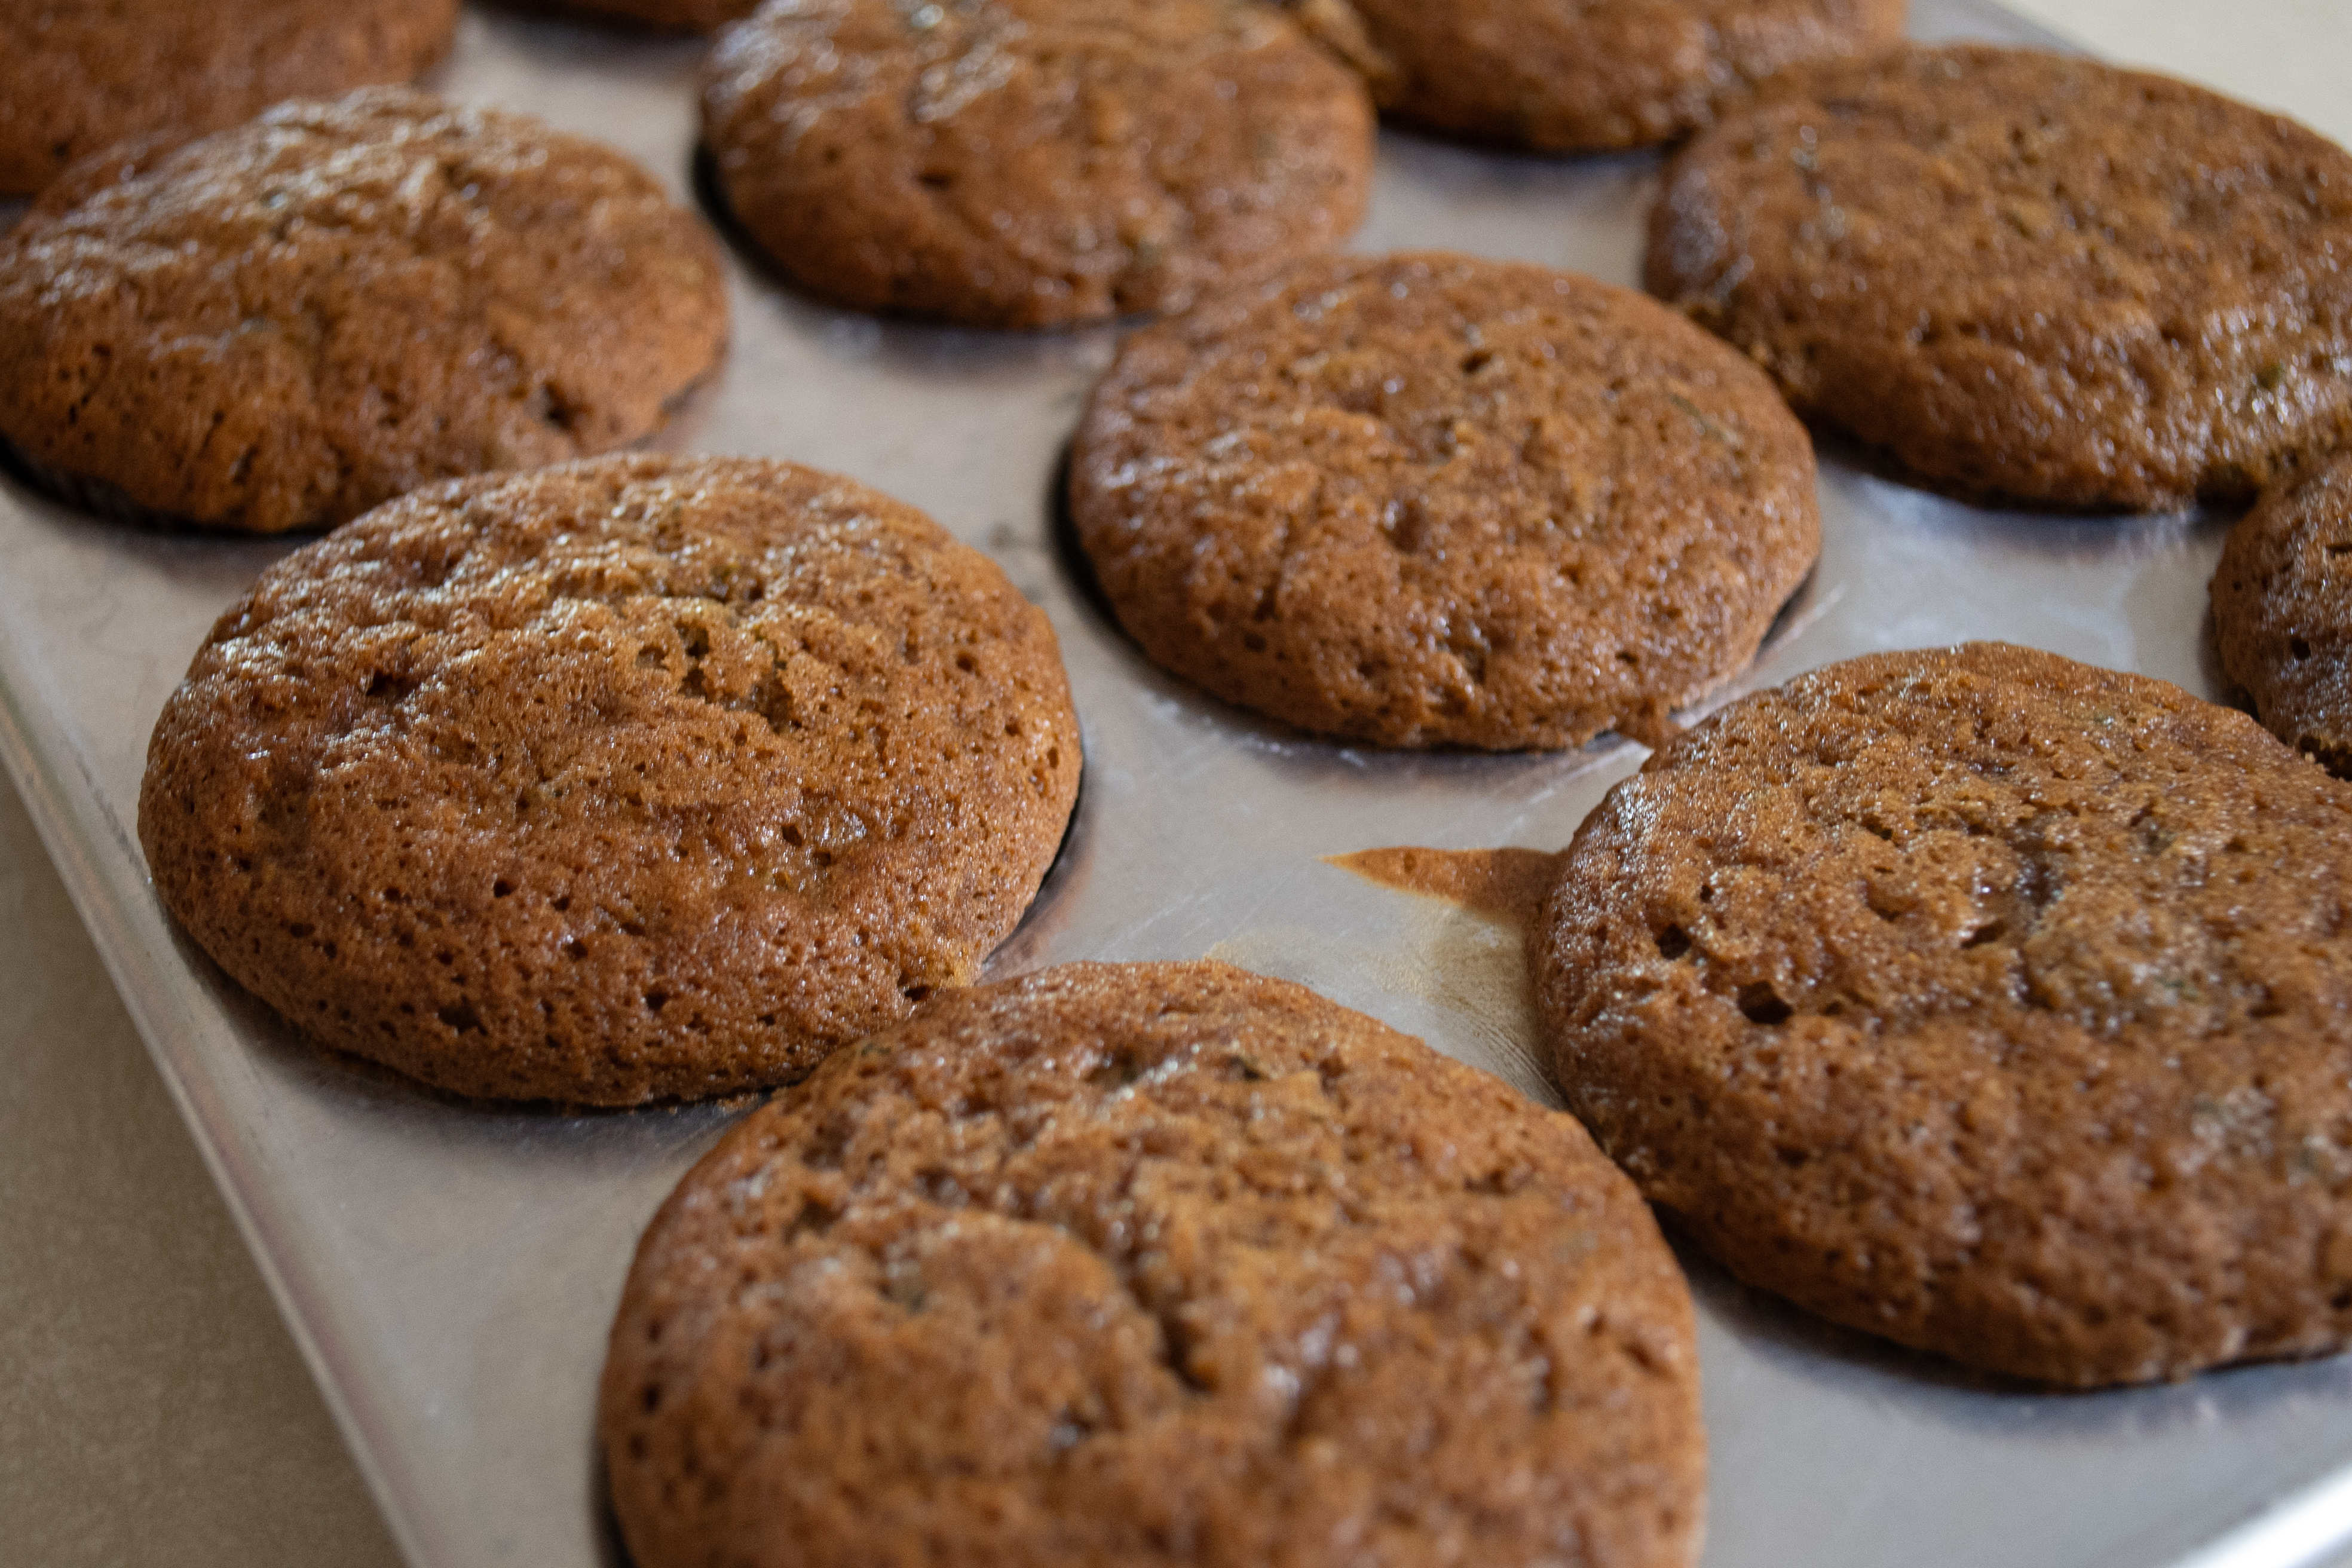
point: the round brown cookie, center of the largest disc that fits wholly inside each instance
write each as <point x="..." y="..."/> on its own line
<point x="78" y="75"/>
<point x="1428" y="500"/>
<point x="2027" y="276"/>
<point x="282" y="325"/>
<point x="633" y="778"/>
<point x="1154" y="1263"/>
<point x="2282" y="611"/>
<point x="1983" y="1000"/>
<point x="1033" y="163"/>
<point x="1586" y="76"/>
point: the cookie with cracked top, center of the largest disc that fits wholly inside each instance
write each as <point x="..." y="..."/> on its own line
<point x="282" y="325"/>
<point x="630" y="779"/>
<point x="1983" y="1000"/>
<point x="1585" y="75"/>
<point x="1033" y="163"/>
<point x="1154" y="1263"/>
<point x="78" y="76"/>
<point x="1428" y="500"/>
<point x="2024" y="275"/>
<point x="2283" y="610"/>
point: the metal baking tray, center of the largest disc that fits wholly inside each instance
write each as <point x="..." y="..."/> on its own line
<point x="450" y="1271"/>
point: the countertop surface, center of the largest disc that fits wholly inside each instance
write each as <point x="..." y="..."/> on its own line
<point x="153" y="1408"/>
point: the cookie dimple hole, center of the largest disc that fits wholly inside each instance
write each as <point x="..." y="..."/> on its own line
<point x="385" y="687"/>
<point x="1116" y="1071"/>
<point x="1673" y="943"/>
<point x="501" y="889"/>
<point x="655" y="1001"/>
<point x="460" y="1017"/>
<point x="1763" y="1004"/>
<point x="1992" y="931"/>
<point x="2299" y="647"/>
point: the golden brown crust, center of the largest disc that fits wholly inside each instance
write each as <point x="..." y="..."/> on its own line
<point x="635" y="778"/>
<point x="2027" y="276"/>
<point x="2283" y="610"/>
<point x="1154" y="1263"/>
<point x="282" y="325"/>
<point x="1425" y="500"/>
<point x="1584" y="76"/>
<point x="1983" y="1000"/>
<point x="1033" y="163"/>
<point x="78" y="75"/>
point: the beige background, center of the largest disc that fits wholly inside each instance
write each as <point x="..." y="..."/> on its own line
<point x="152" y="1409"/>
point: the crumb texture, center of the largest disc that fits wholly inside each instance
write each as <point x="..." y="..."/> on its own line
<point x="2283" y="610"/>
<point x="1984" y="1000"/>
<point x="1427" y="501"/>
<point x="631" y="779"/>
<point x="1584" y="76"/>
<point x="1033" y="163"/>
<point x="1145" y="1265"/>
<point x="283" y="325"/>
<point x="78" y="75"/>
<point x="2027" y="276"/>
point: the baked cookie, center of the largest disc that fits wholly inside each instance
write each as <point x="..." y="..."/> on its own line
<point x="2027" y="276"/>
<point x="1427" y="501"/>
<point x="1033" y="163"/>
<point x="628" y="778"/>
<point x="1584" y="76"/>
<point x="1983" y="1000"/>
<point x="78" y="76"/>
<point x="282" y="325"/>
<point x="1154" y="1263"/>
<point x="2282" y="611"/>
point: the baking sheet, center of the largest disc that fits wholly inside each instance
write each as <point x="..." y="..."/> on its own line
<point x="450" y="1271"/>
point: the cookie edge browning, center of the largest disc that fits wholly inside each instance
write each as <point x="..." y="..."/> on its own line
<point x="660" y="1246"/>
<point x="511" y="1078"/>
<point x="2254" y="650"/>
